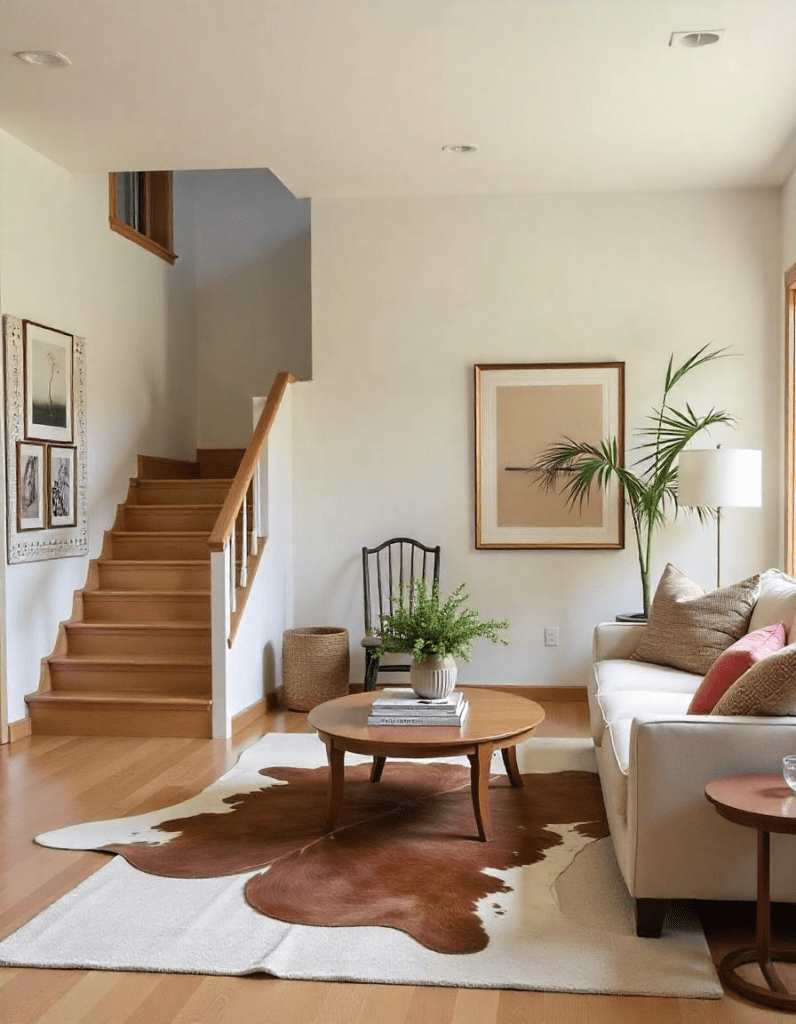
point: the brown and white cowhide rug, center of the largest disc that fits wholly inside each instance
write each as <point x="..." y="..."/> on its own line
<point x="239" y="879"/>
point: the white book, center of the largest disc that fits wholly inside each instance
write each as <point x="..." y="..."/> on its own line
<point x="406" y="701"/>
<point x="449" y="721"/>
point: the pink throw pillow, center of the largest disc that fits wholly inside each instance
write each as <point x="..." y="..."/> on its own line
<point x="732" y="663"/>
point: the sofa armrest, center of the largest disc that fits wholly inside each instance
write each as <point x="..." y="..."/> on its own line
<point x="615" y="639"/>
<point x="682" y="847"/>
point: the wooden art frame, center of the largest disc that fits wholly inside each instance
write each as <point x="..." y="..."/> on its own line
<point x="49" y="541"/>
<point x="61" y="489"/>
<point x="48" y="383"/>
<point x="31" y="503"/>
<point x="522" y="408"/>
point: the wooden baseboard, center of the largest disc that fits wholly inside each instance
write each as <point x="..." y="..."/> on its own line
<point x="548" y="693"/>
<point x="244" y="718"/>
<point x="19" y="730"/>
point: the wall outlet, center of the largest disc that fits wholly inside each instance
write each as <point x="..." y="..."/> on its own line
<point x="551" y="636"/>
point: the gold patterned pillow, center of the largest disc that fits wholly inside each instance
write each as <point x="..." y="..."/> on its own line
<point x="767" y="688"/>
<point x="688" y="629"/>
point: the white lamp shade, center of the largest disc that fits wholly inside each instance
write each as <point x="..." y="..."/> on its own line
<point x="720" y="477"/>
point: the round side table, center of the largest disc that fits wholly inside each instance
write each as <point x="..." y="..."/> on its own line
<point x="765" y="803"/>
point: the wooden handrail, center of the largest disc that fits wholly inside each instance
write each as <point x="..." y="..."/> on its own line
<point x="225" y="523"/>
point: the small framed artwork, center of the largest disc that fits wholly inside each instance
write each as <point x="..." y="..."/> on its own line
<point x="31" y="495"/>
<point x="48" y="383"/>
<point x="61" y="474"/>
<point x="522" y="409"/>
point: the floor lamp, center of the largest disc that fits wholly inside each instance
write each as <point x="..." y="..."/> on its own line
<point x="720" y="478"/>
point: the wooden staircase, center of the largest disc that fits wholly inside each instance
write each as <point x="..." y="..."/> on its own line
<point x="134" y="659"/>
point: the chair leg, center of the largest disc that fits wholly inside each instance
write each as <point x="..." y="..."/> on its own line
<point x="371" y="671"/>
<point x="649" y="917"/>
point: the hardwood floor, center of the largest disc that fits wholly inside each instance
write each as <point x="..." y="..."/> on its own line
<point x="50" y="781"/>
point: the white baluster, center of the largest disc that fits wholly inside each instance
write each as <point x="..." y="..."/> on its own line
<point x="255" y="508"/>
<point x="233" y="598"/>
<point x="244" y="540"/>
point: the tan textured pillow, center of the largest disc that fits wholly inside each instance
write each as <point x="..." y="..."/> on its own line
<point x="767" y="688"/>
<point x="688" y="629"/>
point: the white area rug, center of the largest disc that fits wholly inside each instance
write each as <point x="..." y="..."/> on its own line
<point x="566" y="923"/>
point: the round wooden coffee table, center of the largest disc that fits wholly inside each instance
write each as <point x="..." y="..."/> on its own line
<point x="765" y="803"/>
<point x="497" y="721"/>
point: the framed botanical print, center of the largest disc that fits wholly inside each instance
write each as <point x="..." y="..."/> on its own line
<point x="31" y="494"/>
<point x="61" y="475"/>
<point x="520" y="410"/>
<point x="48" y="383"/>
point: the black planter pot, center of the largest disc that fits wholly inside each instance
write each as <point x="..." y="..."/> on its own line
<point x="638" y="617"/>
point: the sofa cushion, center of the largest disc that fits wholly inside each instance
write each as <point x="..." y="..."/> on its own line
<point x="619" y="675"/>
<point x="768" y="688"/>
<point x="688" y="629"/>
<point x="776" y="603"/>
<point x="617" y="765"/>
<point x="732" y="664"/>
<point x="630" y="703"/>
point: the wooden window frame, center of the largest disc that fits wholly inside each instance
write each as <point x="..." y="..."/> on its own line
<point x="158" y="215"/>
<point x="790" y="417"/>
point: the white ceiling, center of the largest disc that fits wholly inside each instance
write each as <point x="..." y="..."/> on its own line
<point x="357" y="97"/>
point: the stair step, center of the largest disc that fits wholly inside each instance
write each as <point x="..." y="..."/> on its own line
<point x="154" y="638"/>
<point x="183" y="675"/>
<point x="146" y="605"/>
<point x="170" y="518"/>
<point x="153" y="575"/>
<point x="169" y="546"/>
<point x="181" y="492"/>
<point x="88" y="713"/>
<point x="219" y="462"/>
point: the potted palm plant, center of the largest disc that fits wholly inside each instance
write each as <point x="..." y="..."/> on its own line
<point x="435" y="633"/>
<point x="650" y="486"/>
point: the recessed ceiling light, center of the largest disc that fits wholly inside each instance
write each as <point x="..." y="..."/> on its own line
<point x="44" y="58"/>
<point x="459" y="148"/>
<point x="694" y="40"/>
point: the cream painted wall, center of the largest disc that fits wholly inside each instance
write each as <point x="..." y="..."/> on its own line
<point x="409" y="293"/>
<point x="61" y="265"/>
<point x="253" y="301"/>
<point x="789" y="222"/>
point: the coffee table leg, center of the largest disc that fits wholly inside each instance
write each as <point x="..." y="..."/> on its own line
<point x="334" y="793"/>
<point x="377" y="768"/>
<point x="510" y="761"/>
<point x="480" y="763"/>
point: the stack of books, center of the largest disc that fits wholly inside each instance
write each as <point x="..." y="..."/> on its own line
<point x="402" y="706"/>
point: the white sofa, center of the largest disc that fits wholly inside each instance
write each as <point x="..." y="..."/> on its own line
<point x="654" y="761"/>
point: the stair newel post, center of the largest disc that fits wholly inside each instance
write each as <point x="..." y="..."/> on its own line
<point x="244" y="544"/>
<point x="221" y="621"/>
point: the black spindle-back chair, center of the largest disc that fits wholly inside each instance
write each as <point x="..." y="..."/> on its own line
<point x="384" y="569"/>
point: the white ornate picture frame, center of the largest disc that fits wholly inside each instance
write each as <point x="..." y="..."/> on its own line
<point x="34" y="545"/>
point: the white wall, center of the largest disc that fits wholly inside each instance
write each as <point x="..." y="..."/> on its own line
<point x="253" y="303"/>
<point x="61" y="265"/>
<point x="789" y="222"/>
<point x="409" y="293"/>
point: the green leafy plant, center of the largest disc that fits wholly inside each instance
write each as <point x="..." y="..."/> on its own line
<point x="650" y="487"/>
<point x="423" y="626"/>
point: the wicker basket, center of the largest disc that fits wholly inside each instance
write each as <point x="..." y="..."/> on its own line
<point x="315" y="664"/>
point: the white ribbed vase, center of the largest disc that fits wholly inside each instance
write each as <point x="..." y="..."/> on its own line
<point x="433" y="678"/>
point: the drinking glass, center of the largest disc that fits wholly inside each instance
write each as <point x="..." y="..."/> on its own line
<point x="789" y="770"/>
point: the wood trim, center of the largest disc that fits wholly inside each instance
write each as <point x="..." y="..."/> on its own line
<point x="790" y="416"/>
<point x="19" y="730"/>
<point x="245" y="718"/>
<point x="240" y="485"/>
<point x="120" y="227"/>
